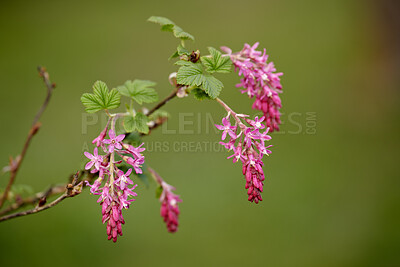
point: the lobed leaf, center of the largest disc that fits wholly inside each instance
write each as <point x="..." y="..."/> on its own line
<point x="137" y="122"/>
<point x="168" y="25"/>
<point x="101" y="98"/>
<point x="200" y="94"/>
<point x="139" y="90"/>
<point x="192" y="75"/>
<point x="215" y="62"/>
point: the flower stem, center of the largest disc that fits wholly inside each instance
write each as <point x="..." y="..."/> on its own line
<point x="113" y="120"/>
<point x="229" y="110"/>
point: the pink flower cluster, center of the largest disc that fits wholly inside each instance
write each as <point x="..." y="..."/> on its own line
<point x="248" y="145"/>
<point x="260" y="80"/>
<point x="169" y="203"/>
<point x="116" y="194"/>
<point x="169" y="207"/>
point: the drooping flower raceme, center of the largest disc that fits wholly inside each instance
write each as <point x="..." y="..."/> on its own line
<point x="260" y="80"/>
<point x="248" y="145"/>
<point x="117" y="191"/>
<point x="169" y="203"/>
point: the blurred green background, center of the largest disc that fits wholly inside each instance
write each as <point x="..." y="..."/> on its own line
<point x="331" y="198"/>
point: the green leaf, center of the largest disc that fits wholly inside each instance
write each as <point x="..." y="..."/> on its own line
<point x="101" y="98"/>
<point x="200" y="94"/>
<point x="140" y="91"/>
<point x="192" y="75"/>
<point x="129" y="123"/>
<point x="180" y="50"/>
<point x="216" y="62"/>
<point x="184" y="63"/>
<point x="159" y="191"/>
<point x="138" y="122"/>
<point x="174" y="55"/>
<point x="212" y="86"/>
<point x="170" y="26"/>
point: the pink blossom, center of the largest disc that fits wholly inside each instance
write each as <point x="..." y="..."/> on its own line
<point x="252" y="170"/>
<point x="95" y="187"/>
<point x="114" y="141"/>
<point x="134" y="151"/>
<point x="99" y="139"/>
<point x="95" y="159"/>
<point x="124" y="198"/>
<point x="116" y="194"/>
<point x="113" y="216"/>
<point x="238" y="155"/>
<point x="257" y="123"/>
<point x="123" y="179"/>
<point x="135" y="163"/>
<point x="260" y="80"/>
<point x="249" y="139"/>
<point x="227" y="128"/>
<point x="230" y="145"/>
<point x="169" y="203"/>
<point x="169" y="207"/>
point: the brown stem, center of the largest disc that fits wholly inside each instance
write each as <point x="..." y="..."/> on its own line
<point x="158" y="123"/>
<point x="70" y="190"/>
<point x="15" y="164"/>
<point x="41" y="197"/>
<point x="163" y="102"/>
<point x="54" y="190"/>
<point x="50" y="87"/>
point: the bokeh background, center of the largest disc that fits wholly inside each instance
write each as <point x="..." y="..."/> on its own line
<point x="332" y="191"/>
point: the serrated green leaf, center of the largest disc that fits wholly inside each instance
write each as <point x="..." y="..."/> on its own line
<point x="160" y="20"/>
<point x="101" y="98"/>
<point x="138" y="122"/>
<point x="129" y="124"/>
<point x="168" y="25"/>
<point x="91" y="103"/>
<point x="212" y="86"/>
<point x="139" y="90"/>
<point x="182" y="51"/>
<point x="192" y="75"/>
<point x="215" y="62"/>
<point x="179" y="33"/>
<point x="200" y="94"/>
<point x="141" y="123"/>
<point x="184" y="63"/>
<point x="113" y="99"/>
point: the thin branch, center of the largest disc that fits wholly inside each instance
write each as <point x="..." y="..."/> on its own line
<point x="15" y="164"/>
<point x="70" y="190"/>
<point x="41" y="197"/>
<point x="163" y="102"/>
<point x="158" y="122"/>
<point x="54" y="190"/>
<point x="50" y="87"/>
